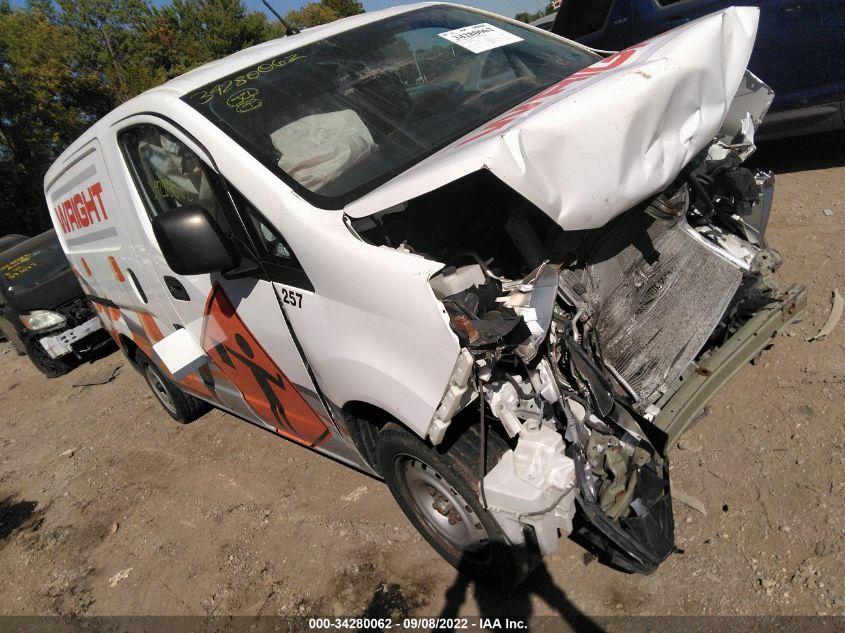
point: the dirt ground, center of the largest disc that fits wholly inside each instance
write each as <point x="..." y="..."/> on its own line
<point x="107" y="506"/>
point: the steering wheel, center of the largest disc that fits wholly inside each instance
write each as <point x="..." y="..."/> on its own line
<point x="428" y="99"/>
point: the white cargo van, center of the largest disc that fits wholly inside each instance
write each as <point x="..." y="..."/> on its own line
<point x="451" y="250"/>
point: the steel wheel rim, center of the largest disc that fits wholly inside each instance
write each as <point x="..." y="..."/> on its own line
<point x="449" y="518"/>
<point x="160" y="389"/>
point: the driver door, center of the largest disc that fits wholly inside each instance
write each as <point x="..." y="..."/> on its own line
<point x="255" y="369"/>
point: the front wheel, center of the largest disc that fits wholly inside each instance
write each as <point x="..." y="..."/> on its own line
<point x="438" y="490"/>
<point x="181" y="406"/>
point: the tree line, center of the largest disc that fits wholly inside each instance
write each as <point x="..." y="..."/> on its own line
<point x="65" y="64"/>
<point x="530" y="17"/>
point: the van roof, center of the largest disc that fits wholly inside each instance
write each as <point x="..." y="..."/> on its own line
<point x="202" y="75"/>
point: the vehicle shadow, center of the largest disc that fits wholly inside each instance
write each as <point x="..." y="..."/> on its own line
<point x="498" y="608"/>
<point x="801" y="153"/>
<point x="515" y="605"/>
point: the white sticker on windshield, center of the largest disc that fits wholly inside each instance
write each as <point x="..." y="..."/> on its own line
<point x="480" y="37"/>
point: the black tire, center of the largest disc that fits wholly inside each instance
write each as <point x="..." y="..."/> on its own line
<point x="50" y="367"/>
<point x="182" y="407"/>
<point x="491" y="559"/>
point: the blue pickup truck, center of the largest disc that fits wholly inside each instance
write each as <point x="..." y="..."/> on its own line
<point x="799" y="51"/>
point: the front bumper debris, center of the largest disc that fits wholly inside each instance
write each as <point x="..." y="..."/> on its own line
<point x="640" y="542"/>
<point x="62" y="343"/>
<point x="688" y="402"/>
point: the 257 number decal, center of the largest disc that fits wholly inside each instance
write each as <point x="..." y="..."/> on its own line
<point x="292" y="298"/>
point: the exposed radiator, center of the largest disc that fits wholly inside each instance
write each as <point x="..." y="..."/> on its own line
<point x="659" y="294"/>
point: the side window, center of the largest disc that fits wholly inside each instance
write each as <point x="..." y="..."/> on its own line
<point x="278" y="258"/>
<point x="272" y="243"/>
<point x="168" y="174"/>
<point x="265" y="236"/>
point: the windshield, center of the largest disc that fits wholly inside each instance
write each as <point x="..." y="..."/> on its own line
<point x="24" y="268"/>
<point x="338" y="117"/>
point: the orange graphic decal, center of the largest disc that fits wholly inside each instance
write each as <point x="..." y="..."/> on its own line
<point x="86" y="267"/>
<point x="118" y="274"/>
<point x="150" y="326"/>
<point x="233" y="348"/>
<point x="194" y="383"/>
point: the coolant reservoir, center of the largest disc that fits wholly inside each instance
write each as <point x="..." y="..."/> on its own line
<point x="451" y="281"/>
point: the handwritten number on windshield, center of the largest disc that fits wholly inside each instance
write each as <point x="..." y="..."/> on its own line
<point x="207" y="96"/>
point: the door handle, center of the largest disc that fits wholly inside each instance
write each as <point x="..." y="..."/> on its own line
<point x="176" y="288"/>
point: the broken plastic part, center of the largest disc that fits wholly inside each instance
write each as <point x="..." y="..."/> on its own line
<point x="504" y="403"/>
<point x="641" y="541"/>
<point x="456" y="398"/>
<point x="462" y="324"/>
<point x="756" y="221"/>
<point x="477" y="318"/>
<point x="745" y="114"/>
<point x="609" y="461"/>
<point x="599" y="386"/>
<point x="534" y="301"/>
<point x="580" y="414"/>
<point x="544" y="383"/>
<point x="651" y="412"/>
<point x="833" y="317"/>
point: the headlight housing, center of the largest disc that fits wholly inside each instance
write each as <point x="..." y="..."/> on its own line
<point x="41" y="320"/>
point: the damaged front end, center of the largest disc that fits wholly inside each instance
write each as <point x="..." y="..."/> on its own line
<point x="577" y="436"/>
<point x="592" y="345"/>
<point x="594" y="362"/>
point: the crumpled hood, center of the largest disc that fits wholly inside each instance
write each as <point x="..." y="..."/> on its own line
<point x="602" y="140"/>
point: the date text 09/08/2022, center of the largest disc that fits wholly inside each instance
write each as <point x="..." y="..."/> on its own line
<point x="489" y="624"/>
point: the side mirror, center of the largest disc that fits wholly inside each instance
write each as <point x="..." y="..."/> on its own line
<point x="192" y="242"/>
